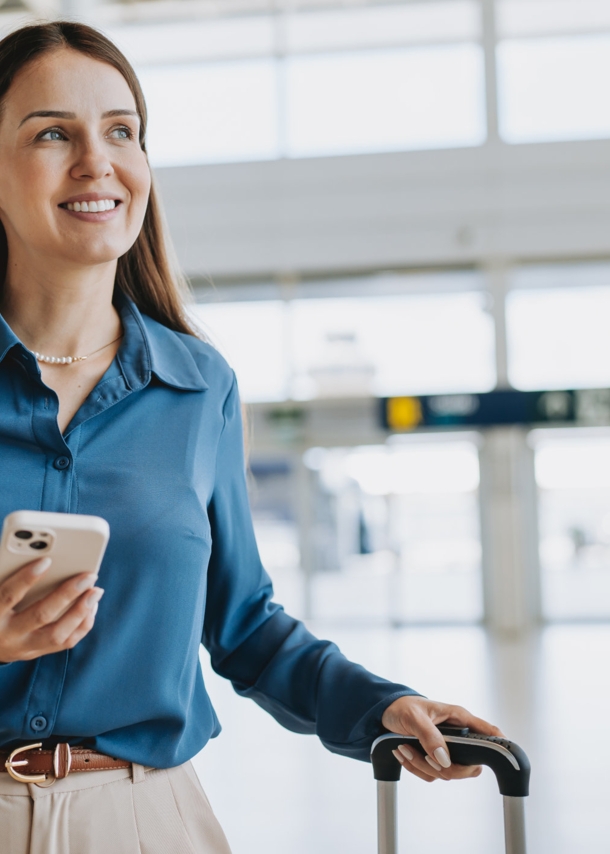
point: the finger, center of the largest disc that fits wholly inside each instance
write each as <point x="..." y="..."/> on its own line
<point x="425" y="765"/>
<point x="49" y="609"/>
<point x="462" y="717"/>
<point x="462" y="772"/>
<point x="17" y="585"/>
<point x="82" y="630"/>
<point x="454" y="772"/>
<point x="408" y="766"/>
<point x="80" y="615"/>
<point x="417" y="759"/>
<point x="432" y="741"/>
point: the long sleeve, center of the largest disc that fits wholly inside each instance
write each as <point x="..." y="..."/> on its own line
<point x="307" y="684"/>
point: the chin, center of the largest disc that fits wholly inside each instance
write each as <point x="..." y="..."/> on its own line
<point x="93" y="255"/>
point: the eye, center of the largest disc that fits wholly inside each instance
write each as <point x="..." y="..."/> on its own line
<point x="53" y="134"/>
<point x="121" y="132"/>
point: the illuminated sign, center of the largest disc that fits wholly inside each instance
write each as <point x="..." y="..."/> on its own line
<point x="496" y="408"/>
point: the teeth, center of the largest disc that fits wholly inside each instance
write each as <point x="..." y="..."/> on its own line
<point x="92" y="207"/>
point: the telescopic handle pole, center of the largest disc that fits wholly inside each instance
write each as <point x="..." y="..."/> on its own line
<point x="387" y="828"/>
<point x="514" y="825"/>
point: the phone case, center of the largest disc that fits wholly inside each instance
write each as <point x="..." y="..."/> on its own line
<point x="75" y="543"/>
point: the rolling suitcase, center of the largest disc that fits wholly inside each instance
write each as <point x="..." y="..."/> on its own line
<point x="506" y="759"/>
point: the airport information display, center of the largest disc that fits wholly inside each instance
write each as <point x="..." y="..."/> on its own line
<point x="497" y="408"/>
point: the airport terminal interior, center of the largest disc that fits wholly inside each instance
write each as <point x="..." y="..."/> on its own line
<point x="395" y="219"/>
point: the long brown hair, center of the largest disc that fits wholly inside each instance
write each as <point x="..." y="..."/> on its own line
<point x="146" y="272"/>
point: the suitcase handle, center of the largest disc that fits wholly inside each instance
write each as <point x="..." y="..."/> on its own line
<point x="505" y="758"/>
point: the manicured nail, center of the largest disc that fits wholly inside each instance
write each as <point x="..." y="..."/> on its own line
<point x="41" y="566"/>
<point x="94" y="597"/>
<point x="397" y="756"/>
<point x="406" y="751"/>
<point x="442" y="757"/>
<point x="434" y="764"/>
<point x="85" y="582"/>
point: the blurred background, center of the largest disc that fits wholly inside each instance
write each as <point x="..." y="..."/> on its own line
<point x="388" y="211"/>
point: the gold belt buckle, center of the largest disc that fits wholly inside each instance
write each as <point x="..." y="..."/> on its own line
<point x="11" y="764"/>
<point x="62" y="762"/>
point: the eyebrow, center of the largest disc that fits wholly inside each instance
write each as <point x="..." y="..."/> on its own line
<point x="62" y="114"/>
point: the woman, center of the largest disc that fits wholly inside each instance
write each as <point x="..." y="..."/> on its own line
<point x="145" y="431"/>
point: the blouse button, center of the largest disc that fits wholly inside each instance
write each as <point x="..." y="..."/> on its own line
<point x="62" y="463"/>
<point x="38" y="723"/>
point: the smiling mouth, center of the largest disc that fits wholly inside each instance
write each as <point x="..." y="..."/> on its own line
<point x="91" y="207"/>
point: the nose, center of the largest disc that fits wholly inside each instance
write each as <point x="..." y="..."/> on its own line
<point x="92" y="161"/>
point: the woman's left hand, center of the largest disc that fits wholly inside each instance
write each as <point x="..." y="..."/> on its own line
<point x="418" y="716"/>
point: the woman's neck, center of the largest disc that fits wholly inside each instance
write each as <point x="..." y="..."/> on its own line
<point x="61" y="313"/>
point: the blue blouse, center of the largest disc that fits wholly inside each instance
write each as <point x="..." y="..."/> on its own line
<point x="156" y="449"/>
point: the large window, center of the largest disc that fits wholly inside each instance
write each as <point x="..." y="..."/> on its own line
<point x="557" y="324"/>
<point x="365" y="345"/>
<point x="554" y="89"/>
<point x="240" y="82"/>
<point x="211" y="112"/>
<point x="387" y="100"/>
<point x="553" y="63"/>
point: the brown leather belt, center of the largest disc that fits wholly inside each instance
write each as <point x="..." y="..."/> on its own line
<point x="31" y="764"/>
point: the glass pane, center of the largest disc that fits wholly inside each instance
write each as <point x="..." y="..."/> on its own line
<point x="554" y="89"/>
<point x="252" y="337"/>
<point x="539" y="17"/>
<point x="392" y="345"/>
<point x="211" y="113"/>
<point x="396" y="532"/>
<point x="558" y="337"/>
<point x="573" y="475"/>
<point x="190" y="41"/>
<point x="385" y="101"/>
<point x="431" y="22"/>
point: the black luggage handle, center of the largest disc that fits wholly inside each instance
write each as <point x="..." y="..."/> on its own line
<point x="506" y="759"/>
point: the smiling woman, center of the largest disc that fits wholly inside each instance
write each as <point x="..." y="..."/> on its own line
<point x="112" y="407"/>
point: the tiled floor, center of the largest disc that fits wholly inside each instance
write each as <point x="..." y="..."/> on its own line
<point x="280" y="793"/>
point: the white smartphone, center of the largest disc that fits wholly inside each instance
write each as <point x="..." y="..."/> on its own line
<point x="75" y="544"/>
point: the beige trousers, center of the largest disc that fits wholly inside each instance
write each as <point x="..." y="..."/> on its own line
<point x="123" y="811"/>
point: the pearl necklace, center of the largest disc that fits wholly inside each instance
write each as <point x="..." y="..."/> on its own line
<point x="68" y="360"/>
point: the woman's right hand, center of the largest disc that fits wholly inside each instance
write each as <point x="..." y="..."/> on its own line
<point x="39" y="629"/>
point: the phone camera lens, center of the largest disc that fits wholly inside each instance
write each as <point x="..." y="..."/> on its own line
<point x="24" y="535"/>
<point x="38" y="544"/>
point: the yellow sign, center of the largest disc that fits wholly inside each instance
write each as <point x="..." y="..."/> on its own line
<point x="403" y="413"/>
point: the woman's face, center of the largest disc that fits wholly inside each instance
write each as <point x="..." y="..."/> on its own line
<point x="69" y="139"/>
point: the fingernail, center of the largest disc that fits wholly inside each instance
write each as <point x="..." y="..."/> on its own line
<point x="94" y="597"/>
<point x="442" y="757"/>
<point x="434" y="764"/>
<point x="85" y="582"/>
<point x="406" y="751"/>
<point x="397" y="756"/>
<point x="41" y="566"/>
